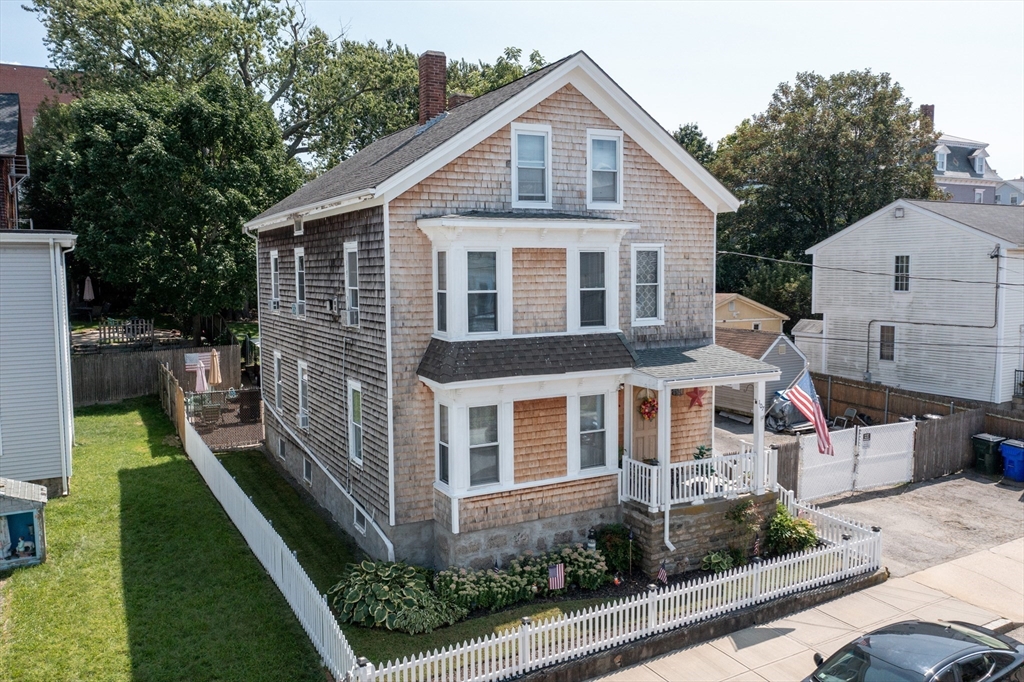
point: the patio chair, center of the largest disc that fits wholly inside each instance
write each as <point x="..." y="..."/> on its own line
<point x="851" y="413"/>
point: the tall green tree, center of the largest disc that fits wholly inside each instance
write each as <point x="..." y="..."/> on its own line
<point x="331" y="96"/>
<point x="157" y="183"/>
<point x="479" y="78"/>
<point x="694" y="141"/>
<point x="824" y="154"/>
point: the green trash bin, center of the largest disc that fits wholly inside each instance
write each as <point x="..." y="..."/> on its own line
<point x="987" y="459"/>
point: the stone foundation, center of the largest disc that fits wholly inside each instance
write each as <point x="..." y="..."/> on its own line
<point x="480" y="549"/>
<point x="695" y="530"/>
<point x="54" y="486"/>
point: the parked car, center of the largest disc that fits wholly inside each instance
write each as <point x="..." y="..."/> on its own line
<point x="916" y="651"/>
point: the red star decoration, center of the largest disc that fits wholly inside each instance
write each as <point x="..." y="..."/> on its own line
<point x="695" y="395"/>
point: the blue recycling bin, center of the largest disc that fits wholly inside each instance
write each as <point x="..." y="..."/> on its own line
<point x="1013" y="459"/>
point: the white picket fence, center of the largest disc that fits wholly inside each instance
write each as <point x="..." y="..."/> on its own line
<point x="849" y="549"/>
<point x="699" y="479"/>
<point x="309" y="606"/>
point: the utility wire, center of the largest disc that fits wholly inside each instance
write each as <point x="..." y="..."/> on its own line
<point x="868" y="272"/>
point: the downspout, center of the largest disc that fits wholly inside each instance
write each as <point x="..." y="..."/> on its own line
<point x="65" y="447"/>
<point x="995" y="253"/>
<point x="665" y="446"/>
<point x="389" y="371"/>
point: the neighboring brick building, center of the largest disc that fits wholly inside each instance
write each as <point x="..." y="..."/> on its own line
<point x="13" y="162"/>
<point x="33" y="85"/>
<point x="460" y="322"/>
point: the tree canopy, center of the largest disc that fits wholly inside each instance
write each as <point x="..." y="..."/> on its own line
<point x="694" y="141"/>
<point x="157" y="183"/>
<point x="824" y="154"/>
<point x="479" y="78"/>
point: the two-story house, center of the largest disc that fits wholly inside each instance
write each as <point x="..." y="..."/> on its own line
<point x="461" y="322"/>
<point x="926" y="296"/>
<point x="961" y="167"/>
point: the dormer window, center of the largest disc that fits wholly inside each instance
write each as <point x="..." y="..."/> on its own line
<point x="531" y="166"/>
<point x="979" y="165"/>
<point x="940" y="161"/>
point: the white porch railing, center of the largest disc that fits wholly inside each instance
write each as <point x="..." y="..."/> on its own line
<point x="697" y="480"/>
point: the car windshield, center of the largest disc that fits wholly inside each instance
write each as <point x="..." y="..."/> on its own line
<point x="855" y="663"/>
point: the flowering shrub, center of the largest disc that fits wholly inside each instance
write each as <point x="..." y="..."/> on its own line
<point x="649" y="408"/>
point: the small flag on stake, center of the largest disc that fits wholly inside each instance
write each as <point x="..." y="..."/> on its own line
<point x="556" y="577"/>
<point x="496" y="569"/>
<point x="663" y="574"/>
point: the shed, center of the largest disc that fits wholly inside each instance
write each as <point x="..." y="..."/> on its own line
<point x="774" y="349"/>
<point x="22" y="528"/>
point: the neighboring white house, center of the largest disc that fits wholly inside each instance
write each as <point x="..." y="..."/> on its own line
<point x="909" y="298"/>
<point x="807" y="337"/>
<point x="36" y="417"/>
<point x="1010" y="192"/>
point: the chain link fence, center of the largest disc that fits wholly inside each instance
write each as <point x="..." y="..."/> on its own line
<point x="227" y="420"/>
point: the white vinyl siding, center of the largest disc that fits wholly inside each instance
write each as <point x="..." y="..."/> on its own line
<point x="901" y="273"/>
<point x="31" y="407"/>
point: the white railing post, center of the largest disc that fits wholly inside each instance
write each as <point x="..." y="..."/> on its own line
<point x="652" y="609"/>
<point x="846" y="554"/>
<point x="524" y="645"/>
<point x="759" y="471"/>
<point x="876" y="547"/>
<point x="364" y="669"/>
<point x="773" y="468"/>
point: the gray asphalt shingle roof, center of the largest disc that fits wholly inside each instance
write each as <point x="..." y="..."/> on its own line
<point x="447" y="362"/>
<point x="1001" y="221"/>
<point x="389" y="155"/>
<point x="9" y="114"/>
<point x="705" y="362"/>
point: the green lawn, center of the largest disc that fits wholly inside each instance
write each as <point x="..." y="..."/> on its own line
<point x="146" y="577"/>
<point x="323" y="553"/>
<point x="240" y="329"/>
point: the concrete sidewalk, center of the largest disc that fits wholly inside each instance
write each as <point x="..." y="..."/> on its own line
<point x="979" y="589"/>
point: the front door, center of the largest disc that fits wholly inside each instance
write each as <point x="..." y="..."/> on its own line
<point x="645" y="432"/>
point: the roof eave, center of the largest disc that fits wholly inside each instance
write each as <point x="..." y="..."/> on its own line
<point x="319" y="209"/>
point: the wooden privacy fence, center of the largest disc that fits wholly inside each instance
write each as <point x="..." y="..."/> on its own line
<point x="943" y="446"/>
<point x="125" y="331"/>
<point x="112" y="377"/>
<point x="885" y="405"/>
<point x="788" y="464"/>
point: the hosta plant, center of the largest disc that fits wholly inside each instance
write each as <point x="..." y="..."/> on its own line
<point x="717" y="562"/>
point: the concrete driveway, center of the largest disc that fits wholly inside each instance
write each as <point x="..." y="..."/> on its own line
<point x="930" y="523"/>
<point x="982" y="588"/>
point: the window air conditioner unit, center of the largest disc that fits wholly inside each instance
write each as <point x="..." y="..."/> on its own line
<point x="303" y="420"/>
<point x="274" y="304"/>
<point x="353" y="317"/>
<point x="299" y="308"/>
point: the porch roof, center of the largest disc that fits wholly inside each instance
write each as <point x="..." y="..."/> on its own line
<point x="708" y="365"/>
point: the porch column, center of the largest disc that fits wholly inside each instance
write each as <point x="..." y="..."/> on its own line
<point x="759" y="457"/>
<point x="665" y="456"/>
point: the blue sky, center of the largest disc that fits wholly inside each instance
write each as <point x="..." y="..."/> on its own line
<point x="712" y="63"/>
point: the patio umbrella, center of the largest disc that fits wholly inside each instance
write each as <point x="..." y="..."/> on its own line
<point x="87" y="294"/>
<point x="215" y="377"/>
<point x="201" y="385"/>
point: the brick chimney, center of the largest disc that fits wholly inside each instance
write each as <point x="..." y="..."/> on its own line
<point x="433" y="83"/>
<point x="928" y="112"/>
<point x="458" y="99"/>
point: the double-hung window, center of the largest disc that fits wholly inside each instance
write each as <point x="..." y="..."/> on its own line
<point x="940" y="161"/>
<point x="592" y="431"/>
<point x="275" y="281"/>
<point x="979" y="165"/>
<point x="531" y="166"/>
<point x="352" y="283"/>
<point x="483" y="445"/>
<point x="604" y="172"/>
<point x="592" y="289"/>
<point x="355" y="421"/>
<point x="278" y="385"/>
<point x="887" y="342"/>
<point x="901" y="279"/>
<point x="482" y="288"/>
<point x="442" y="443"/>
<point x="648" y="290"/>
<point x="979" y="196"/>
<point x="300" y="281"/>
<point x="303" y="395"/>
<point x="442" y="291"/>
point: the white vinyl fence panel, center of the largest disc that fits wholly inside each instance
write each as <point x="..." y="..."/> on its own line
<point x="865" y="457"/>
<point x="309" y="606"/>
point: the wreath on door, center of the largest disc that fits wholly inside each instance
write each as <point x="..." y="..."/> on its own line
<point x="648" y="408"/>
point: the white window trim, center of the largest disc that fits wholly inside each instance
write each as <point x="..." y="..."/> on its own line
<point x="447" y="487"/>
<point x="755" y="326"/>
<point x="647" y="321"/>
<point x="281" y="452"/>
<point x="350" y="247"/>
<point x="611" y="289"/>
<point x="575" y="434"/>
<point x="301" y="308"/>
<point x="506" y="472"/>
<point x="303" y="370"/>
<point x="278" y="385"/>
<point x="307" y="464"/>
<point x="979" y="193"/>
<point x="901" y="292"/>
<point x="598" y="134"/>
<point x="895" y="355"/>
<point x="940" y="162"/>
<point x="447" y="292"/>
<point x="533" y="128"/>
<point x="275" y="283"/>
<point x="297" y="225"/>
<point x="354" y="385"/>
<point x="356" y="513"/>
<point x="503" y="295"/>
<point x="979" y="165"/>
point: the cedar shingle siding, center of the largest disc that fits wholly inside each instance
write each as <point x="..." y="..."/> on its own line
<point x="335" y="352"/>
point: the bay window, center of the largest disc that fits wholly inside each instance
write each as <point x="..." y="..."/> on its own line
<point x="442" y="444"/>
<point x="482" y="288"/>
<point x="442" y="291"/>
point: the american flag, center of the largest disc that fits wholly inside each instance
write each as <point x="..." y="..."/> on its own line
<point x="556" y="577"/>
<point x="805" y="398"/>
<point x="663" y="574"/>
